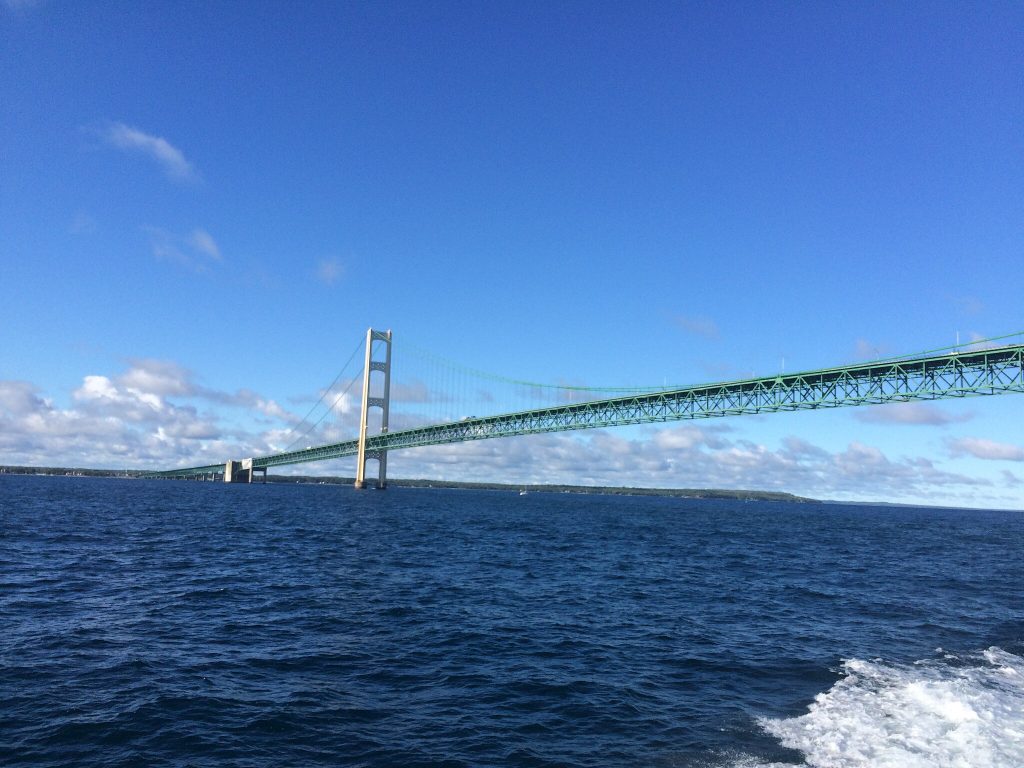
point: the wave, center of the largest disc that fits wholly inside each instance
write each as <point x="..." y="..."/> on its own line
<point x="950" y="712"/>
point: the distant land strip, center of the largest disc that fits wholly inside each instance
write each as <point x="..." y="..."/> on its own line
<point x="684" y="493"/>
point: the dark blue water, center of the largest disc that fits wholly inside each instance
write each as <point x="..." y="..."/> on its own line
<point x="173" y="623"/>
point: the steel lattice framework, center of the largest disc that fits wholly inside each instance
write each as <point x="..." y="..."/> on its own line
<point x="956" y="375"/>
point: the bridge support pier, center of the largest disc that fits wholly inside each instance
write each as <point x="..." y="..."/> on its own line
<point x="382" y="402"/>
<point x="242" y="471"/>
<point x="235" y="473"/>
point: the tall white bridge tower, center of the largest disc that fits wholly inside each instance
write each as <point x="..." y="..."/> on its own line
<point x="382" y="402"/>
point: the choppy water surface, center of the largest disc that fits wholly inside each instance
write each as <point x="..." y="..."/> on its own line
<point x="171" y="623"/>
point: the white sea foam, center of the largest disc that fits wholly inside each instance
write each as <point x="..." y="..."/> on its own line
<point x="956" y="712"/>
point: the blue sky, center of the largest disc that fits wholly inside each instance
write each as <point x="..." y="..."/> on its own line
<point x="204" y="205"/>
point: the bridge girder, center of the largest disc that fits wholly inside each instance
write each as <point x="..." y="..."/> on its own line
<point x="956" y="375"/>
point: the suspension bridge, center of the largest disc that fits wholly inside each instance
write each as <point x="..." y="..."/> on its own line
<point x="941" y="374"/>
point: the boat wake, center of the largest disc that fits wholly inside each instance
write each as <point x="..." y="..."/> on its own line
<point x="952" y="712"/>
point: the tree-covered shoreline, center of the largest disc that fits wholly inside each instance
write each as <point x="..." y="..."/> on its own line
<point x="689" y="493"/>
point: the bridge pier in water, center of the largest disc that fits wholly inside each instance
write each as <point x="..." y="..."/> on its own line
<point x="382" y="402"/>
<point x="242" y="471"/>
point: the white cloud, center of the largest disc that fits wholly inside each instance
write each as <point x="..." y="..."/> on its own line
<point x="172" y="159"/>
<point x="329" y="271"/>
<point x="246" y="399"/>
<point x="981" y="448"/>
<point x="19" y="396"/>
<point x="99" y="394"/>
<point x="194" y="251"/>
<point x="685" y="438"/>
<point x="203" y="241"/>
<point x="146" y="416"/>
<point x="908" y="413"/>
<point x="33" y="431"/>
<point x="688" y="456"/>
<point x="798" y="449"/>
<point x="160" y="377"/>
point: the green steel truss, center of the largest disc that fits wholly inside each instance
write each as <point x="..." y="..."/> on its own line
<point x="961" y="374"/>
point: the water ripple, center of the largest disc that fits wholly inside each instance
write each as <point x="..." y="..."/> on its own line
<point x="193" y="624"/>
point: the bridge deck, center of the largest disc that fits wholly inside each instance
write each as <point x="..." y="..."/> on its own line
<point x="960" y="374"/>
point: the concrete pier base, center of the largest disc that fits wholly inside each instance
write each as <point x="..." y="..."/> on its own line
<point x="242" y="471"/>
<point x="233" y="473"/>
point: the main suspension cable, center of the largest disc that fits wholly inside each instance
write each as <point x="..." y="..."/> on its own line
<point x="324" y="394"/>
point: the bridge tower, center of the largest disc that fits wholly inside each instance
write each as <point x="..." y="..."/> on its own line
<point x="384" y="366"/>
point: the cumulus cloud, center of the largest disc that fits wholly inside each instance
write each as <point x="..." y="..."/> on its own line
<point x="100" y="395"/>
<point x="157" y="148"/>
<point x="106" y="427"/>
<point x="687" y="438"/>
<point x="166" y="378"/>
<point x="981" y="448"/>
<point x="248" y="399"/>
<point x="688" y="456"/>
<point x="154" y="414"/>
<point x="921" y="414"/>
<point x="160" y="377"/>
<point x="796" y="448"/>
<point x="20" y="396"/>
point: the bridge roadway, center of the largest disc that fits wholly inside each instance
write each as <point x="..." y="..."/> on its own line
<point x="955" y="375"/>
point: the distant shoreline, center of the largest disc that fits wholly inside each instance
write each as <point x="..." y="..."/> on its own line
<point x="685" y="493"/>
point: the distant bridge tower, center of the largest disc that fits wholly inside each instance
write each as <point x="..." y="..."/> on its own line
<point x="384" y="366"/>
